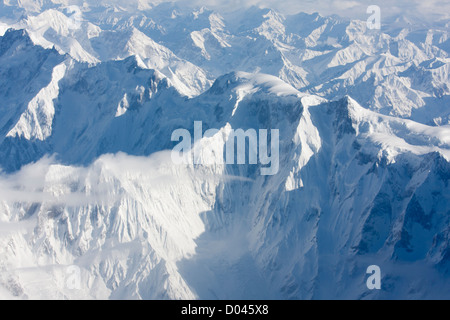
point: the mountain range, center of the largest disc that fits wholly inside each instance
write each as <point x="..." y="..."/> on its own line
<point x="89" y="98"/>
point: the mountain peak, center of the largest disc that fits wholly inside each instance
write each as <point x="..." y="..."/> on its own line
<point x="11" y="36"/>
<point x="253" y="82"/>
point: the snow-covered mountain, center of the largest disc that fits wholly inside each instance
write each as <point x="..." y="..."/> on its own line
<point x="401" y="70"/>
<point x="89" y="100"/>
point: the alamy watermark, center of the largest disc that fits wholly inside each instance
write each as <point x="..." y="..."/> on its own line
<point x="374" y="280"/>
<point x="235" y="148"/>
<point x="374" y="21"/>
<point x="73" y="278"/>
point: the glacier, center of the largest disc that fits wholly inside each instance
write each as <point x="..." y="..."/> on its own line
<point x="87" y="178"/>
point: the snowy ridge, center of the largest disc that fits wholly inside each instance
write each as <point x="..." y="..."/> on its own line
<point x="36" y="122"/>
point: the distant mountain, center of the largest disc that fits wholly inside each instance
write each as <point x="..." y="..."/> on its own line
<point x="326" y="56"/>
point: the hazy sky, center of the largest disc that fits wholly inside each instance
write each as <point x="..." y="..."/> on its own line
<point x="347" y="8"/>
<point x="355" y="9"/>
<point x="430" y="10"/>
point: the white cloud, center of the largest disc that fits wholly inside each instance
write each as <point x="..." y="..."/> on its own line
<point x="48" y="182"/>
<point x="343" y="4"/>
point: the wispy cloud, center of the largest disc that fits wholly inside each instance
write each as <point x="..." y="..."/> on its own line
<point x="30" y="185"/>
<point x="104" y="182"/>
